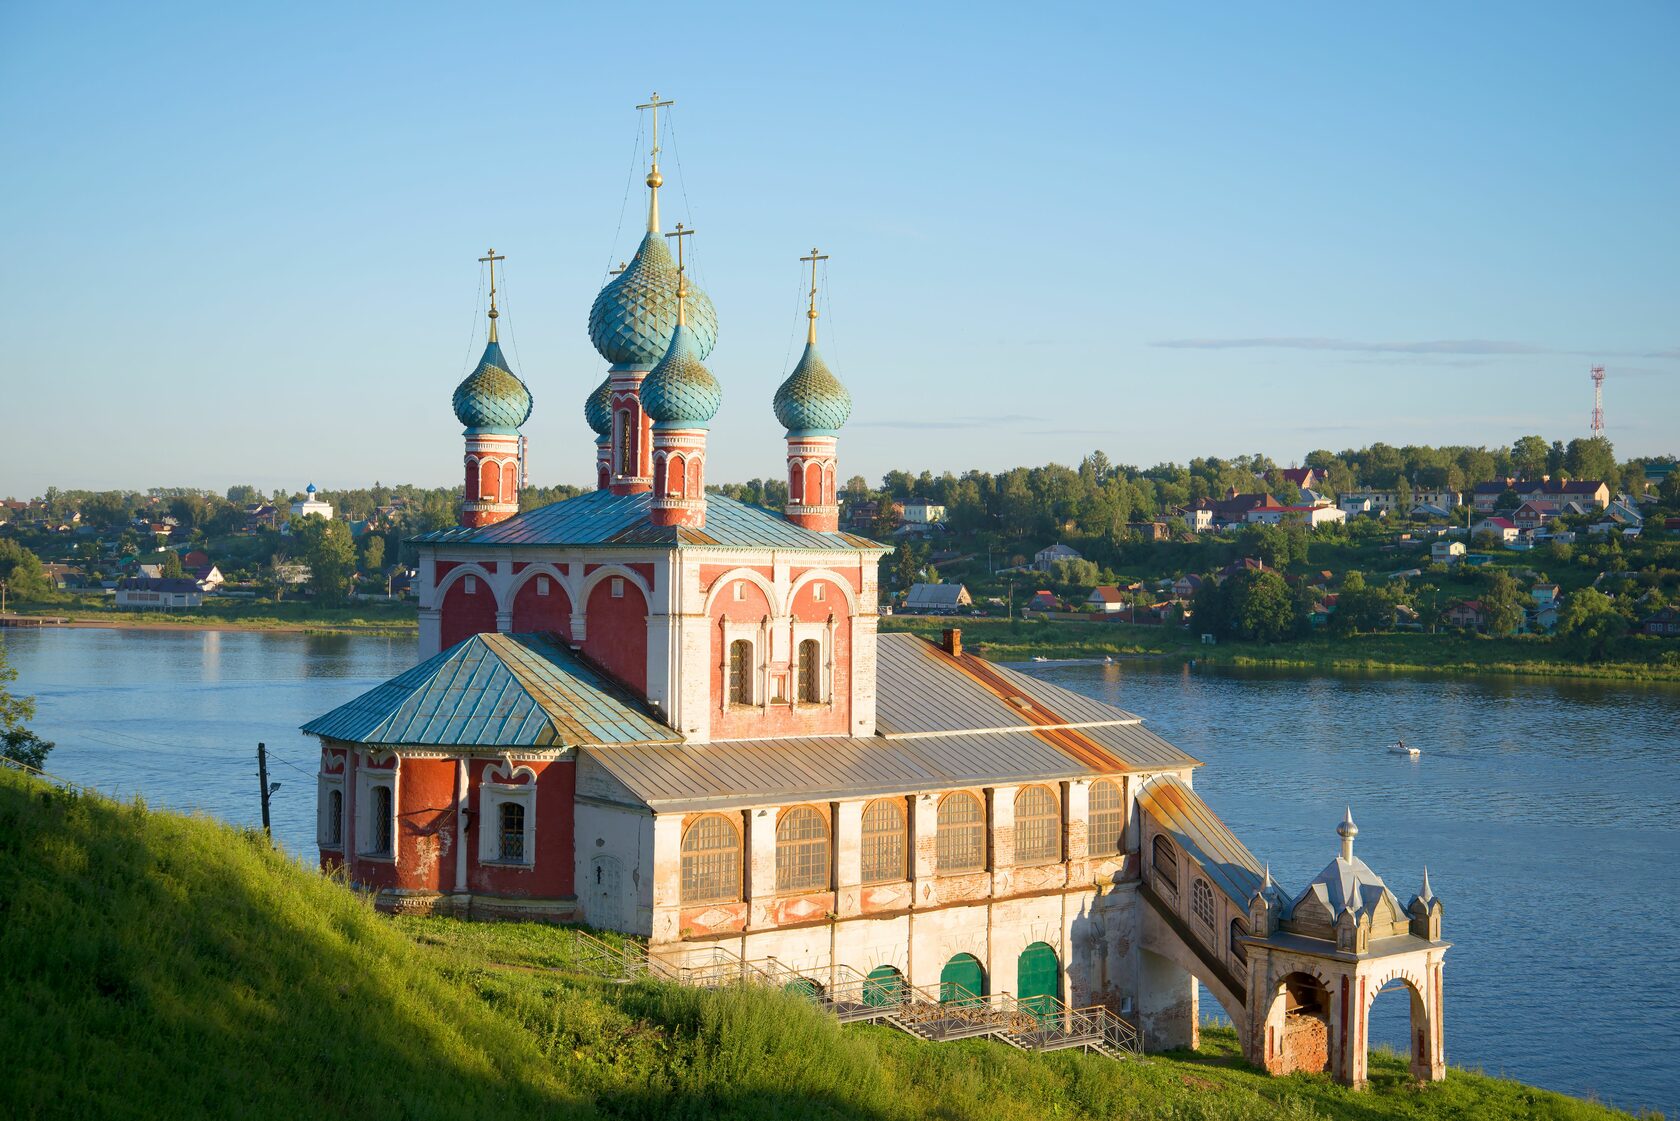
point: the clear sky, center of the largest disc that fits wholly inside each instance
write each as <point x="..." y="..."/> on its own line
<point x="239" y="240"/>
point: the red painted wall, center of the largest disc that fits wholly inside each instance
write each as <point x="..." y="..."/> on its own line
<point x="533" y="611"/>
<point x="784" y="719"/>
<point x="550" y="874"/>
<point x="464" y="615"/>
<point x="616" y="633"/>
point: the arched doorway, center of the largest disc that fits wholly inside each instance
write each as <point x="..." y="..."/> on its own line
<point x="805" y="987"/>
<point x="962" y="979"/>
<point x="1038" y="979"/>
<point x="883" y="987"/>
<point x="1386" y="1027"/>
<point x="605" y="883"/>
<point x="1305" y="1041"/>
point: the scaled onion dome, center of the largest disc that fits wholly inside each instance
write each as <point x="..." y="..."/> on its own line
<point x="635" y="315"/>
<point x="597" y="408"/>
<point x="680" y="392"/>
<point x="491" y="396"/>
<point x="812" y="401"/>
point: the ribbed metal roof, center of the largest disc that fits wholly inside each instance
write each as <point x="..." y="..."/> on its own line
<point x="599" y="517"/>
<point x="917" y="689"/>
<point x="495" y="690"/>
<point x="1199" y="832"/>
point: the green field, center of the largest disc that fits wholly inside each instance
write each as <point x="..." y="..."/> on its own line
<point x="242" y="614"/>
<point x="157" y="965"/>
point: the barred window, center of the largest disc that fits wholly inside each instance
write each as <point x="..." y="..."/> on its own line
<point x="335" y="818"/>
<point x="740" y="672"/>
<point x="1038" y="826"/>
<point x="382" y="821"/>
<point x="962" y="834"/>
<point x="1239" y="931"/>
<point x="810" y="671"/>
<point x="802" y="850"/>
<point x="1107" y="827"/>
<point x="711" y="861"/>
<point x="512" y="840"/>
<point x="1164" y="860"/>
<point x="1201" y="901"/>
<point x="883" y="841"/>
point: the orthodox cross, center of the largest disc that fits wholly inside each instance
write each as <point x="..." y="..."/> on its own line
<point x="621" y="267"/>
<point x="656" y="105"/>
<point x="492" y="258"/>
<point x="811" y="335"/>
<point x="682" y="281"/>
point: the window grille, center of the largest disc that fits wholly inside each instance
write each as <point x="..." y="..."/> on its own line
<point x="335" y="818"/>
<point x="1038" y="826"/>
<point x="810" y="671"/>
<point x="962" y="834"/>
<point x="1201" y="901"/>
<point x="883" y="841"/>
<point x="512" y="845"/>
<point x="802" y="858"/>
<point x="740" y="672"/>
<point x="711" y="861"/>
<point x="382" y="821"/>
<point x="1107" y="827"/>
<point x="1165" y="862"/>
<point x="626" y="466"/>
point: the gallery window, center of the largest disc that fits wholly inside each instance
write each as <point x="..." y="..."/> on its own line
<point x="1164" y="860"/>
<point x="1201" y="901"/>
<point x="802" y="851"/>
<point x="740" y="672"/>
<point x="883" y="841"/>
<point x="810" y="671"/>
<point x="1038" y="826"/>
<point x="711" y="860"/>
<point x="961" y="845"/>
<point x="1107" y="828"/>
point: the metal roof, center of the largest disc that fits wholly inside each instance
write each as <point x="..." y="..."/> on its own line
<point x="599" y="517"/>
<point x="1199" y="832"/>
<point x="496" y="690"/>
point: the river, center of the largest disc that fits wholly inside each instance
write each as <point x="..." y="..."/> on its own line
<point x="1548" y="811"/>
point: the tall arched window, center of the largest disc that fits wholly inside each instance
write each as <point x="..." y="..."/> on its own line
<point x="1038" y="826"/>
<point x="740" y="672"/>
<point x="802" y="859"/>
<point x="675" y="477"/>
<point x="626" y="444"/>
<point x="883" y="841"/>
<point x="962" y="834"/>
<point x="1239" y="931"/>
<point x="383" y="821"/>
<point x="511" y="840"/>
<point x="1164" y="859"/>
<point x="335" y="818"/>
<point x="810" y="671"/>
<point x="1201" y="901"/>
<point x="711" y="861"/>
<point x="1107" y="827"/>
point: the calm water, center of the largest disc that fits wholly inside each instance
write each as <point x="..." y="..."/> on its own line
<point x="1549" y="813"/>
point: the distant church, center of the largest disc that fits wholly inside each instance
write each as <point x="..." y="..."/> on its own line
<point x="660" y="711"/>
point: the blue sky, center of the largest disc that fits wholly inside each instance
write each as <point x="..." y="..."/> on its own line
<point x="240" y="240"/>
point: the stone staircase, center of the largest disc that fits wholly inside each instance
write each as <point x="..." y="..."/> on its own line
<point x="935" y="1015"/>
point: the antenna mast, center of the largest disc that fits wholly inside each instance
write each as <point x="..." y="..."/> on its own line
<point x="1598" y="401"/>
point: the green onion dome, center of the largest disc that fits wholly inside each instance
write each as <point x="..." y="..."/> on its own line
<point x="812" y="401"/>
<point x="635" y="315"/>
<point x="491" y="396"/>
<point x="680" y="392"/>
<point x="597" y="409"/>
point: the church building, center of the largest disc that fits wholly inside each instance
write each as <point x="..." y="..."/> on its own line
<point x="657" y="710"/>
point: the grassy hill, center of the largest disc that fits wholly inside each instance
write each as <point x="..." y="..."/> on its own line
<point x="153" y="965"/>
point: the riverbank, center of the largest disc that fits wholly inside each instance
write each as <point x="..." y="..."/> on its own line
<point x="233" y="615"/>
<point x="156" y="964"/>
<point x="1631" y="658"/>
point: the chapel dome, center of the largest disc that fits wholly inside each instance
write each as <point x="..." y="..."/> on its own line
<point x="680" y="392"/>
<point x="491" y="396"/>
<point x="812" y="400"/>
<point x="597" y="409"/>
<point x="635" y="315"/>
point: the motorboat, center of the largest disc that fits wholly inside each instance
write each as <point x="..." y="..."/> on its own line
<point x="1401" y="747"/>
<point x="1040" y="658"/>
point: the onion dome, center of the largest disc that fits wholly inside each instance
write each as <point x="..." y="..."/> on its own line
<point x="597" y="408"/>
<point x="491" y="396"/>
<point x="635" y="315"/>
<point x="812" y="400"/>
<point x="680" y="392"/>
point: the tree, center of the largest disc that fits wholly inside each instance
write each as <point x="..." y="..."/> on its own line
<point x="1259" y="607"/>
<point x="1528" y="456"/>
<point x="1362" y="607"/>
<point x="16" y="740"/>
<point x="1590" y="614"/>
<point x="1591" y="458"/>
<point x="373" y="554"/>
<point x="330" y="554"/>
<point x="21" y="572"/>
<point x="1669" y="492"/>
<point x="1501" y="602"/>
<point x="172" y="565"/>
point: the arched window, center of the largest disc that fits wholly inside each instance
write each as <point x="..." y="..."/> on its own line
<point x="383" y="821"/>
<point x="802" y="860"/>
<point x="335" y="819"/>
<point x="1164" y="859"/>
<point x="1107" y="831"/>
<point x="489" y="476"/>
<point x="1201" y="901"/>
<point x="626" y="444"/>
<point x="740" y="672"/>
<point x="510" y="483"/>
<point x="1038" y="826"/>
<point x="962" y="834"/>
<point x="1239" y="931"/>
<point x="796" y="484"/>
<point x="511" y="840"/>
<point x="810" y="671"/>
<point x="674" y="476"/>
<point x="883" y="841"/>
<point x="711" y="861"/>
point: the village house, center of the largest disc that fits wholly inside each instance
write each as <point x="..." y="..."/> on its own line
<point x="1662" y="624"/>
<point x="936" y="599"/>
<point x="1044" y="600"/>
<point x="1468" y="615"/>
<point x="1306" y="478"/>
<point x="146" y="593"/>
<point x="1309" y="516"/>
<point x="922" y="513"/>
<point x="1106" y="599"/>
<point x="1542" y="613"/>
<point x="1446" y="552"/>
<point x="1045" y="558"/>
<point x="1528" y="517"/>
<point x="1504" y="529"/>
<point x="1385" y="502"/>
<point x="658" y="711"/>
<point x="1186" y="587"/>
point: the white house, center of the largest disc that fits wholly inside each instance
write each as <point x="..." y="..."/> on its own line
<point x="143" y="593"/>
<point x="1447" y="552"/>
<point x="934" y="599"/>
<point x="1044" y="558"/>
<point x="922" y="513"/>
<point x="1503" y="528"/>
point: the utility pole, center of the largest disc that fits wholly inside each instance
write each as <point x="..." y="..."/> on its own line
<point x="263" y="787"/>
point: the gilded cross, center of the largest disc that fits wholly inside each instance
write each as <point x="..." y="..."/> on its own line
<point x="656" y="105"/>
<point x="682" y="280"/>
<point x="681" y="232"/>
<point x="492" y="257"/>
<point x="811" y="313"/>
<point x="621" y="267"/>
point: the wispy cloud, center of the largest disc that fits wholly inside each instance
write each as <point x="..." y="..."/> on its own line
<point x="954" y="422"/>
<point x="1434" y="346"/>
<point x="1670" y="352"/>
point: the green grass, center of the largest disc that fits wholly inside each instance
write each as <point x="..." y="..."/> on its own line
<point x="156" y="965"/>
<point x="242" y="614"/>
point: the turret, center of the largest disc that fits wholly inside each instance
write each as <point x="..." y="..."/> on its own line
<point x="1425" y="912"/>
<point x="812" y="405"/>
<point x="680" y="396"/>
<point x="491" y="404"/>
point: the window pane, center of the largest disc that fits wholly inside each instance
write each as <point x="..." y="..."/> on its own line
<point x="740" y="672"/>
<point x="1107" y="827"/>
<point x="1038" y="825"/>
<point x="802" y="851"/>
<point x="513" y="832"/>
<point x="962" y="834"/>
<point x="883" y="841"/>
<point x="711" y="861"/>
<point x="382" y="820"/>
<point x="335" y="817"/>
<point x="810" y="671"/>
<point x="1201" y="901"/>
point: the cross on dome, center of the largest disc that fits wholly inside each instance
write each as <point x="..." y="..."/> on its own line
<point x="492" y="258"/>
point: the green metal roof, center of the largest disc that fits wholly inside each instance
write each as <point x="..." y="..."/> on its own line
<point x="496" y="690"/>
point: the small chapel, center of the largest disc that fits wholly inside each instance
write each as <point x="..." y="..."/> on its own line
<point x="656" y="710"/>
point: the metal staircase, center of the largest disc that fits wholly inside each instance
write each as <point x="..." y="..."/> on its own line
<point x="935" y="1015"/>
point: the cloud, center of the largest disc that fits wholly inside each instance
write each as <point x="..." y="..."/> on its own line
<point x="1437" y="346"/>
<point x="1670" y="352"/>
<point x="954" y="422"/>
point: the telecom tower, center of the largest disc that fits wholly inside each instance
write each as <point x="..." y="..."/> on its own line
<point x="1598" y="401"/>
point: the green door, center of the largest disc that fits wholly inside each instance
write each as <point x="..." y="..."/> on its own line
<point x="884" y="986"/>
<point x="805" y="987"/>
<point x="962" y="979"/>
<point x="1038" y="982"/>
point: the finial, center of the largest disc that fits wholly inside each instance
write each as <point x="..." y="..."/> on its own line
<point x="1267" y="885"/>
<point x="1347" y="831"/>
<point x="811" y="331"/>
<point x="682" y="276"/>
<point x="654" y="179"/>
<point x="1426" y="895"/>
<point x="493" y="258"/>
